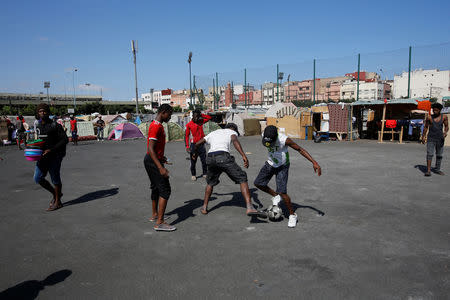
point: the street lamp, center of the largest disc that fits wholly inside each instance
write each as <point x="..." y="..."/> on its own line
<point x="289" y="88"/>
<point x="190" y="81"/>
<point x="73" y="82"/>
<point x="46" y="86"/>
<point x="280" y="77"/>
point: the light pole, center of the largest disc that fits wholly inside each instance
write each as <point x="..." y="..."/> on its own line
<point x="134" y="50"/>
<point x="73" y="82"/>
<point x="190" y="80"/>
<point x="289" y="88"/>
<point x="46" y="86"/>
<point x="280" y="78"/>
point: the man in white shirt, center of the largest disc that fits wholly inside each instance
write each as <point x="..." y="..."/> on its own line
<point x="219" y="160"/>
<point x="278" y="165"/>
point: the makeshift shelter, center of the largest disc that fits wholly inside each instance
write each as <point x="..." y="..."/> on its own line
<point x="247" y="124"/>
<point x="274" y="109"/>
<point x="125" y="131"/>
<point x="111" y="119"/>
<point x="173" y="131"/>
<point x="291" y="121"/>
<point x="390" y="117"/>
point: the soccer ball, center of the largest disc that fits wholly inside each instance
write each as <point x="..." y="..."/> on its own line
<point x="274" y="212"/>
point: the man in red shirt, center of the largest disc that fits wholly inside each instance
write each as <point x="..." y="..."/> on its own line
<point x="194" y="133"/>
<point x="74" y="130"/>
<point x="154" y="165"/>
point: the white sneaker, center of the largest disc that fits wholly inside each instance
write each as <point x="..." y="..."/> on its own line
<point x="276" y="200"/>
<point x="193" y="178"/>
<point x="292" y="221"/>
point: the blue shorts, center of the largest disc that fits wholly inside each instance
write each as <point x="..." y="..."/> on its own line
<point x="74" y="134"/>
<point x="51" y="165"/>
<point x="281" y="177"/>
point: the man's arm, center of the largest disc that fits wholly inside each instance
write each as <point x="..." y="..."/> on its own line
<point x="151" y="150"/>
<point x="186" y="136"/>
<point x="62" y="139"/>
<point x="446" y="126"/>
<point x="425" y="129"/>
<point x="238" y="147"/>
<point x="196" y="146"/>
<point x="205" y="118"/>
<point x="305" y="154"/>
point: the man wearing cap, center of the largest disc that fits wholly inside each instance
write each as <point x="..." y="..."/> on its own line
<point x="220" y="160"/>
<point x="436" y="137"/>
<point x="278" y="164"/>
<point x="54" y="150"/>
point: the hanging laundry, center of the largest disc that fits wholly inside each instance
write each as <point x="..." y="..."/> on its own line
<point x="391" y="124"/>
<point x="424" y="105"/>
<point x="415" y="124"/>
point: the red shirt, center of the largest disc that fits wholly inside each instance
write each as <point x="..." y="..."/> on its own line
<point x="196" y="130"/>
<point x="73" y="125"/>
<point x="156" y="133"/>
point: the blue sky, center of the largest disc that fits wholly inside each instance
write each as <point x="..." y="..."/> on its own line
<point x="44" y="40"/>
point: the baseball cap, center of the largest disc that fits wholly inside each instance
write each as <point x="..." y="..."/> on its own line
<point x="270" y="136"/>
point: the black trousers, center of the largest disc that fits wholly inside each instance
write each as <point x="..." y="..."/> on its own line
<point x="201" y="152"/>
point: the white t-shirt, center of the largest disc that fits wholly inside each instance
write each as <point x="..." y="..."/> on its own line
<point x="279" y="155"/>
<point x="220" y="140"/>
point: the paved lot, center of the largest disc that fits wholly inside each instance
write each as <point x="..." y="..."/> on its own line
<point x="385" y="233"/>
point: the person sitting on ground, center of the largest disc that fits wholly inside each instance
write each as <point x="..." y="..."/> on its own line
<point x="220" y="160"/>
<point x="100" y="124"/>
<point x="154" y="165"/>
<point x="278" y="165"/>
<point x="54" y="150"/>
<point x="436" y="137"/>
<point x="194" y="133"/>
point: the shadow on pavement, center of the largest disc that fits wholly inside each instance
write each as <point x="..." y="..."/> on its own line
<point x="30" y="289"/>
<point x="186" y="211"/>
<point x="422" y="168"/>
<point x="93" y="196"/>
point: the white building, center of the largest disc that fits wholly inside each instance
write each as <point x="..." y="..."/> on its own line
<point x="424" y="84"/>
<point x="368" y="91"/>
<point x="239" y="89"/>
<point x="348" y="90"/>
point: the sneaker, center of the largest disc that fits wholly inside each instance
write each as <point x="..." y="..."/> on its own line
<point x="193" y="178"/>
<point x="276" y="200"/>
<point x="164" y="227"/>
<point x="204" y="176"/>
<point x="292" y="221"/>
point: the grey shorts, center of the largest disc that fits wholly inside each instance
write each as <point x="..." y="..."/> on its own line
<point x="223" y="162"/>
<point x="281" y="177"/>
<point x="434" y="146"/>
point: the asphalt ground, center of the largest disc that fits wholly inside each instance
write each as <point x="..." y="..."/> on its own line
<point x="385" y="232"/>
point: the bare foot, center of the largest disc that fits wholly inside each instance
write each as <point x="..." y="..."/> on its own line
<point x="204" y="210"/>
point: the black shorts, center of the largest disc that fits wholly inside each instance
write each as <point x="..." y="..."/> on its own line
<point x="281" y="176"/>
<point x="159" y="185"/>
<point x="223" y="162"/>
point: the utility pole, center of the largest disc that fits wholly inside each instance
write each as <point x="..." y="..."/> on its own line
<point x="47" y="85"/>
<point x="357" y="83"/>
<point x="277" y="81"/>
<point x="314" y="81"/>
<point x="214" y="94"/>
<point x="245" y="88"/>
<point x="74" y="95"/>
<point x="134" y="50"/>
<point x="190" y="81"/>
<point x="409" y="73"/>
<point x="217" y="89"/>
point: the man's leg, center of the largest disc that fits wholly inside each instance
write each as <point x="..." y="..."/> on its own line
<point x="193" y="162"/>
<point x="202" y="154"/>
<point x="430" y="153"/>
<point x="246" y="194"/>
<point x="263" y="178"/>
<point x="55" y="175"/>
<point x="162" y="203"/>
<point x="208" y="191"/>
<point x="439" y="152"/>
<point x="287" y="201"/>
<point x="102" y="134"/>
<point x="39" y="177"/>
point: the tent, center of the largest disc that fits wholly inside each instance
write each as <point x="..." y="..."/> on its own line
<point x="125" y="131"/>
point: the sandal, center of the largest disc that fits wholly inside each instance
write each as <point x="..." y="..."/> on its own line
<point x="154" y="219"/>
<point x="427" y="174"/>
<point x="53" y="207"/>
<point x="257" y="213"/>
<point x="164" y="227"/>
<point x="204" y="211"/>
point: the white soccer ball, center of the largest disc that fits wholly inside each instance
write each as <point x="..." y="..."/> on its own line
<point x="274" y="212"/>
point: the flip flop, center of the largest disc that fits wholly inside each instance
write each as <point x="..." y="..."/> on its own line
<point x="204" y="211"/>
<point x="440" y="173"/>
<point x="427" y="174"/>
<point x="164" y="227"/>
<point x="154" y="219"/>
<point x="257" y="213"/>
<point x="53" y="207"/>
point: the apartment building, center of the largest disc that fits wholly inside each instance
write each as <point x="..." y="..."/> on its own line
<point x="431" y="83"/>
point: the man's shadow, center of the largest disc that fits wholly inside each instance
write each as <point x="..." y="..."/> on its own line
<point x="93" y="196"/>
<point x="238" y="200"/>
<point x="30" y="289"/>
<point x="421" y="168"/>
<point x="186" y="211"/>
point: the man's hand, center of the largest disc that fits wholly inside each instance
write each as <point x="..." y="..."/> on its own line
<point x="317" y="168"/>
<point x="423" y="140"/>
<point x="164" y="172"/>
<point x="246" y="164"/>
<point x="46" y="152"/>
